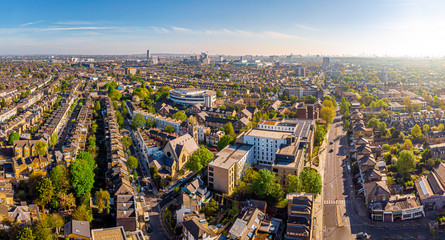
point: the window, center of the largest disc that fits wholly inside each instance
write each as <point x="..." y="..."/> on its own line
<point x="210" y="179"/>
<point x="211" y="168"/>
<point x="211" y="174"/>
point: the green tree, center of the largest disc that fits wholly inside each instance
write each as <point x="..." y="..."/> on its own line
<point x="126" y="141"/>
<point x="405" y="162"/>
<point x="60" y="179"/>
<point x="293" y="183"/>
<point x="310" y="181"/>
<point x="327" y="114"/>
<point x="13" y="137"/>
<point x="199" y="159"/>
<point x="224" y="141"/>
<point x="82" y="176"/>
<point x="114" y="94"/>
<point x="41" y="148"/>
<point x="53" y="139"/>
<point x="88" y="157"/>
<point x="416" y="131"/>
<point x="45" y="191"/>
<point x="229" y="129"/>
<point x="267" y="186"/>
<point x="66" y="201"/>
<point x="97" y="106"/>
<point x="103" y="200"/>
<point x="82" y="213"/>
<point x="219" y="93"/>
<point x="169" y="129"/>
<point x="344" y="106"/>
<point x="211" y="208"/>
<point x="150" y="123"/>
<point x="138" y="120"/>
<point x="25" y="234"/>
<point x="132" y="162"/>
<point x="347" y="125"/>
<point x="180" y="115"/>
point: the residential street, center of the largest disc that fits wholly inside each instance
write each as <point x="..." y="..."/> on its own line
<point x="345" y="216"/>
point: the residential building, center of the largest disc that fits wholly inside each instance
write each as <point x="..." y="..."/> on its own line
<point x="431" y="188"/>
<point x="300" y="215"/>
<point x="228" y="167"/>
<point x="247" y="226"/>
<point x="77" y="229"/>
<point x="198" y="229"/>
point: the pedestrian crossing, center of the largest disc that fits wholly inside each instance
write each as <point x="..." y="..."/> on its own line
<point x="336" y="202"/>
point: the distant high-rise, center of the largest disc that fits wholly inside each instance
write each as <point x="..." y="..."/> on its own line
<point x="148" y="55"/>
<point x="326" y="62"/>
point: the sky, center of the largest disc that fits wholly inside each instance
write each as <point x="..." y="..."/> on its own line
<point x="414" y="28"/>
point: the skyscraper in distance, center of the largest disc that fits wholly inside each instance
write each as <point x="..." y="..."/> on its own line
<point x="148" y="55"/>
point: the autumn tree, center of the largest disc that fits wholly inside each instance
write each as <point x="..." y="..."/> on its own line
<point x="416" y="131"/>
<point x="82" y="213"/>
<point x="103" y="200"/>
<point x="41" y="148"/>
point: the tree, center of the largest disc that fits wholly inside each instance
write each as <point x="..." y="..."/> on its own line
<point x="150" y="123"/>
<point x="310" y="181"/>
<point x="66" y="201"/>
<point x="13" y="137"/>
<point x="82" y="213"/>
<point x="407" y="145"/>
<point x="60" y="179"/>
<point x="138" y="120"/>
<point x="41" y="148"/>
<point x="327" y="114"/>
<point x="103" y="200"/>
<point x="25" y="234"/>
<point x="224" y="141"/>
<point x="45" y="191"/>
<point x="416" y="131"/>
<point x="82" y="176"/>
<point x="211" y="208"/>
<point x="169" y="129"/>
<point x="88" y="157"/>
<point x="405" y="161"/>
<point x="293" y="183"/>
<point x="229" y="129"/>
<point x="132" y="162"/>
<point x="267" y="186"/>
<point x="114" y="94"/>
<point x="97" y="106"/>
<point x="426" y="128"/>
<point x="344" y="106"/>
<point x="199" y="159"/>
<point x="347" y="125"/>
<point x="53" y="139"/>
<point x="219" y="93"/>
<point x="263" y="102"/>
<point x="180" y="115"/>
<point x="127" y="141"/>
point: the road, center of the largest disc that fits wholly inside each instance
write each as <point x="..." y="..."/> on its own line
<point x="337" y="210"/>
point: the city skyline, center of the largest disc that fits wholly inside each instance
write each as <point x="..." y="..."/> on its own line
<point x="383" y="28"/>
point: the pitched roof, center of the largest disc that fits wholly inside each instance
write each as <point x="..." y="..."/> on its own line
<point x="376" y="189"/>
<point x="81" y="228"/>
<point x="196" y="228"/>
<point x="186" y="141"/>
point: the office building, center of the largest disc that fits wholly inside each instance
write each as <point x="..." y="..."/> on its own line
<point x="148" y="55"/>
<point x="191" y="96"/>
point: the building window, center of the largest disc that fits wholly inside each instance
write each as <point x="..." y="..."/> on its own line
<point x="210" y="179"/>
<point x="211" y="168"/>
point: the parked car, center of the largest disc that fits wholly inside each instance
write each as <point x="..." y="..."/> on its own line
<point x="213" y="150"/>
<point x="331" y="150"/>
<point x="146" y="217"/>
<point x="332" y="142"/>
<point x="362" y="235"/>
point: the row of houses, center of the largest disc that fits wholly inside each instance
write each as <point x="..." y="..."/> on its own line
<point x="118" y="179"/>
<point x="79" y="132"/>
<point x="384" y="203"/>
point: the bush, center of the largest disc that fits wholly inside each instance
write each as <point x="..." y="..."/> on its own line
<point x="408" y="184"/>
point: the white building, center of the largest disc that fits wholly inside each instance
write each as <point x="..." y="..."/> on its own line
<point x="191" y="96"/>
<point x="266" y="143"/>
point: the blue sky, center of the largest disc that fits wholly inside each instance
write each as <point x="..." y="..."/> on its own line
<point x="330" y="27"/>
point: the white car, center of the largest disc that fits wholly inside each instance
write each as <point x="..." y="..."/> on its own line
<point x="146" y="217"/>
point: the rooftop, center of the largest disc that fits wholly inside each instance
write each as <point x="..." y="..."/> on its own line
<point x="230" y="155"/>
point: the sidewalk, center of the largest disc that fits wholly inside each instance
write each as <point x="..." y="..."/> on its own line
<point x="318" y="230"/>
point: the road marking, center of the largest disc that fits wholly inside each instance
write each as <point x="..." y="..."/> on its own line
<point x="336" y="202"/>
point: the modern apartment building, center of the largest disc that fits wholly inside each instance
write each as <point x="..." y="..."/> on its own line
<point x="229" y="167"/>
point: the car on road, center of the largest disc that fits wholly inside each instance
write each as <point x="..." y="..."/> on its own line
<point x="213" y="149"/>
<point x="362" y="235"/>
<point x="146" y="217"/>
<point x="332" y="142"/>
<point x="331" y="150"/>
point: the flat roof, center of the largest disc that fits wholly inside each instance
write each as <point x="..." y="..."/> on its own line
<point x="268" y="134"/>
<point x="116" y="233"/>
<point x="230" y="155"/>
